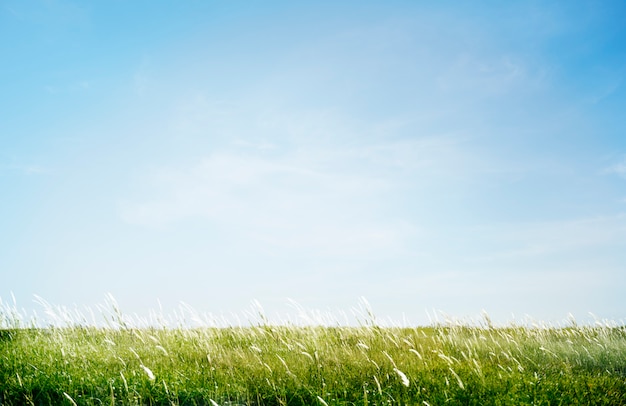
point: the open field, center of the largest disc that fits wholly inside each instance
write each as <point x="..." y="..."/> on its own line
<point x="282" y="365"/>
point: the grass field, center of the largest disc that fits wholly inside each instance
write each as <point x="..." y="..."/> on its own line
<point x="299" y="365"/>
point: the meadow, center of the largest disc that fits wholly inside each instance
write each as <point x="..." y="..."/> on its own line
<point x="265" y="364"/>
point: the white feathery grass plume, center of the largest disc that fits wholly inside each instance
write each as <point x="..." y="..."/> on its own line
<point x="213" y="403"/>
<point x="124" y="380"/>
<point x="322" y="401"/>
<point x="362" y="345"/>
<point x="380" y="391"/>
<point x="414" y="351"/>
<point x="390" y="359"/>
<point x="148" y="372"/>
<point x="70" y="398"/>
<point x="283" y="362"/>
<point x="403" y="377"/>
<point x="163" y="350"/>
<point x="459" y="381"/>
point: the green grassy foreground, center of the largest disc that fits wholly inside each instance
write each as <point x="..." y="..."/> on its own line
<point x="268" y="365"/>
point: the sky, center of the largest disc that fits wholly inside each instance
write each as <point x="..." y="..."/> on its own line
<point x="431" y="157"/>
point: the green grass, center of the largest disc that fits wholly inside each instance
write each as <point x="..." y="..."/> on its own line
<point x="269" y="365"/>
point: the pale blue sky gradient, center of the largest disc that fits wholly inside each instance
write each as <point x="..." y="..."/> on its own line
<point x="456" y="156"/>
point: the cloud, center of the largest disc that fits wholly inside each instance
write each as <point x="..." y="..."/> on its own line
<point x="27" y="169"/>
<point x="75" y="87"/>
<point x="308" y="180"/>
<point x="607" y="90"/>
<point x="487" y="75"/>
<point x="287" y="204"/>
<point x="618" y="168"/>
<point x="539" y="240"/>
<point x="34" y="169"/>
<point x="50" y="14"/>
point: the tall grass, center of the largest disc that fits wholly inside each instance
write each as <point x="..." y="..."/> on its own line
<point x="265" y="364"/>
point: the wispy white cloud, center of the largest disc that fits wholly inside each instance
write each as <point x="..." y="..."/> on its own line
<point x="618" y="168"/>
<point x="606" y="90"/>
<point x="283" y="159"/>
<point x="488" y="75"/>
<point x="34" y="169"/>
<point x="287" y="204"/>
<point x="78" y="86"/>
<point x="27" y="169"/>
<point x="305" y="181"/>
<point x="538" y="240"/>
<point x="49" y="13"/>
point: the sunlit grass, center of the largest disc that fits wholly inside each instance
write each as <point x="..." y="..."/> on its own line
<point x="266" y="364"/>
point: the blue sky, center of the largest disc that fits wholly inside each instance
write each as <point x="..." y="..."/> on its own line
<point x="455" y="156"/>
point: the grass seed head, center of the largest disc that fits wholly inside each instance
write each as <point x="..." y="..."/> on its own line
<point x="403" y="377"/>
<point x="322" y="401"/>
<point x="70" y="399"/>
<point x="148" y="372"/>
